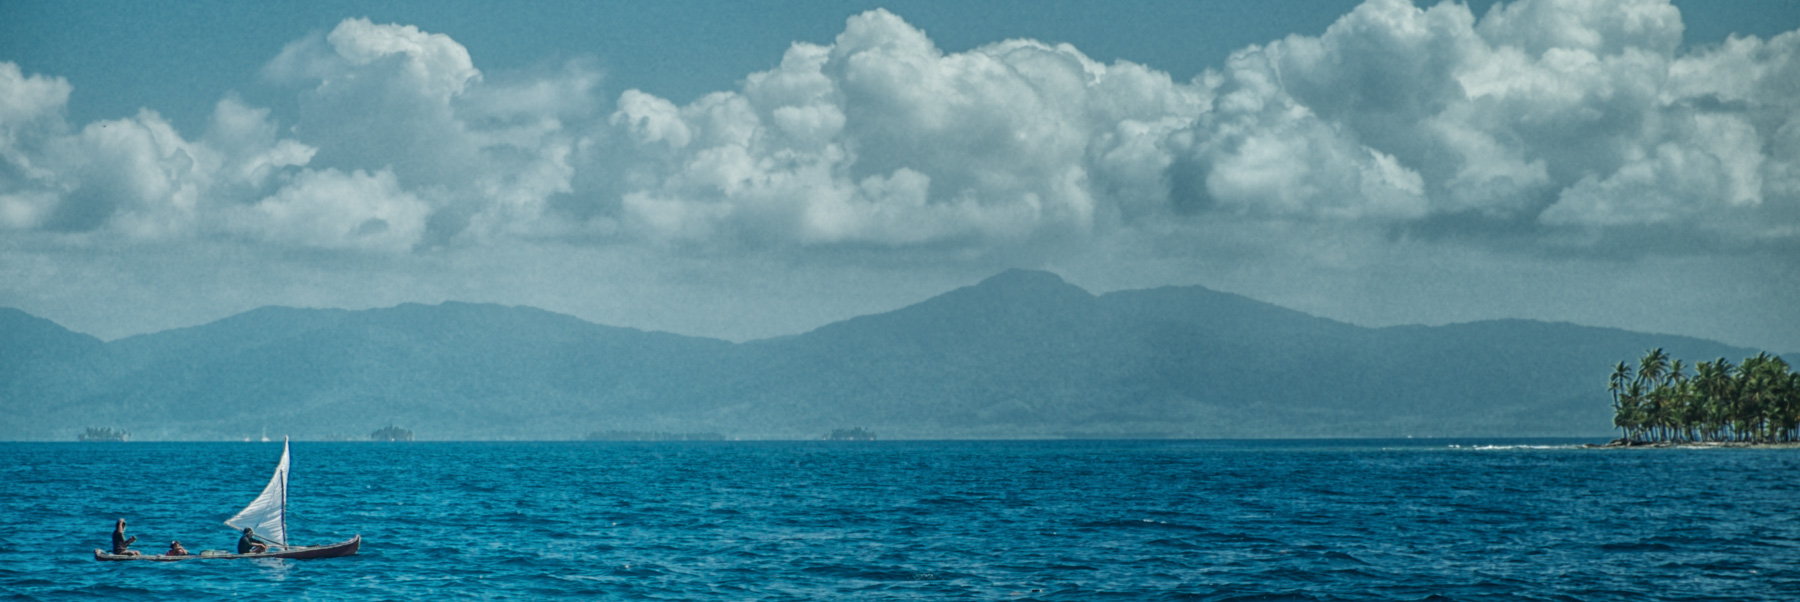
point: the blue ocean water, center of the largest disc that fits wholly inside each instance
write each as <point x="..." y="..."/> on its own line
<point x="1027" y="520"/>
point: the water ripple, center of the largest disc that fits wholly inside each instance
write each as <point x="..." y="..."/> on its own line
<point x="921" y="520"/>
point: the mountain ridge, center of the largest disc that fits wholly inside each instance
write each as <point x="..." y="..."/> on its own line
<point x="1020" y="354"/>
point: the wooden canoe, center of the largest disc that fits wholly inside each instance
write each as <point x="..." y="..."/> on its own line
<point x="342" y="548"/>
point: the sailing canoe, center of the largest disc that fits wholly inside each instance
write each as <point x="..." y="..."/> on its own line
<point x="342" y="548"/>
<point x="267" y="514"/>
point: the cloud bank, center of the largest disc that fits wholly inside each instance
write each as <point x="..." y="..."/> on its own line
<point x="1568" y="124"/>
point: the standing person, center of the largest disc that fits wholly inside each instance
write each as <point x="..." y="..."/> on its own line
<point x="122" y="544"/>
<point x="249" y="545"/>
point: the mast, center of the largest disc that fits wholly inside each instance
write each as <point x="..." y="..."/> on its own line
<point x="284" y="471"/>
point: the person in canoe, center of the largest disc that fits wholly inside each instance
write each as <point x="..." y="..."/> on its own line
<point x="122" y="544"/>
<point x="249" y="545"/>
<point x="175" y="549"/>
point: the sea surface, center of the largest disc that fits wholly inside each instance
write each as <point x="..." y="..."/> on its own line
<point x="991" y="520"/>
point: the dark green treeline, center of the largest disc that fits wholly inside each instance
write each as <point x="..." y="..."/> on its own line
<point x="1757" y="401"/>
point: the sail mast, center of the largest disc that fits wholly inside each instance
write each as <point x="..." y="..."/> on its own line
<point x="284" y="475"/>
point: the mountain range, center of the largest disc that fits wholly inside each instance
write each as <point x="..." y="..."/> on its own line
<point x="1023" y="354"/>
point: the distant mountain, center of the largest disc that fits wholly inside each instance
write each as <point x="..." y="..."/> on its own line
<point x="40" y="361"/>
<point x="1022" y="354"/>
<point x="469" y="370"/>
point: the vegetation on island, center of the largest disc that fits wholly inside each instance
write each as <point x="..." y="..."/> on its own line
<point x="851" y="434"/>
<point x="392" y="433"/>
<point x="1757" y="401"/>
<point x="651" y="436"/>
<point x="104" y="434"/>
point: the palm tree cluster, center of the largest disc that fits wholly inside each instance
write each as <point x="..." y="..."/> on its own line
<point x="1755" y="402"/>
<point x="392" y="433"/>
<point x="104" y="434"/>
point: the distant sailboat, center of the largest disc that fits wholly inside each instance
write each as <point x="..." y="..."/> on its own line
<point x="267" y="515"/>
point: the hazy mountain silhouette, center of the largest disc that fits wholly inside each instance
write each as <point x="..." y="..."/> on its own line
<point x="40" y="364"/>
<point x="1021" y="354"/>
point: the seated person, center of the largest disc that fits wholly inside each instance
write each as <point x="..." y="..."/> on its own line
<point x="175" y="549"/>
<point x="249" y="545"/>
<point x="121" y="544"/>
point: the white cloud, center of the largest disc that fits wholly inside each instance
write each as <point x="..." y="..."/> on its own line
<point x="247" y="146"/>
<point x="1574" y="113"/>
<point x="26" y="99"/>
<point x="134" y="179"/>
<point x="486" y="157"/>
<point x="137" y="175"/>
<point x="1599" y="28"/>
<point x="137" y="179"/>
<point x="650" y="120"/>
<point x="883" y="139"/>
<point x="30" y="115"/>
<point x="330" y="209"/>
<point x="1540" y="118"/>
<point x="434" y="63"/>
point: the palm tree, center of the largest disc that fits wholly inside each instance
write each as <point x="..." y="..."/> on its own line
<point x="1653" y="366"/>
<point x="1637" y="414"/>
<point x="1693" y="411"/>
<point x="1769" y="388"/>
<point x="1712" y="393"/>
<point x="1757" y="393"/>
<point x="1616" y="386"/>
<point x="1791" y="404"/>
<point x="1651" y="370"/>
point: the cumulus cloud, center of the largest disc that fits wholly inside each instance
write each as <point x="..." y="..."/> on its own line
<point x="1539" y="119"/>
<point x="30" y="116"/>
<point x="883" y="139"/>
<point x="330" y="209"/>
<point x="487" y="157"/>
<point x="375" y="96"/>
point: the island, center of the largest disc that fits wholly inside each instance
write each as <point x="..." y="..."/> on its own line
<point x="391" y="433"/>
<point x="850" y="434"/>
<point x="1756" y="402"/>
<point x="104" y="434"/>
<point x="651" y="436"/>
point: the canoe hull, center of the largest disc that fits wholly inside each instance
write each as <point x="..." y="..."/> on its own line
<point x="342" y="548"/>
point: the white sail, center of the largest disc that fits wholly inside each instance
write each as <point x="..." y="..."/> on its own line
<point x="267" y="514"/>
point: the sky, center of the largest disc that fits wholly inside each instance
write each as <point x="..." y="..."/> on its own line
<point x="752" y="169"/>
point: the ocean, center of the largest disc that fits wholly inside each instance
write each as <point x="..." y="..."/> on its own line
<point x="924" y="520"/>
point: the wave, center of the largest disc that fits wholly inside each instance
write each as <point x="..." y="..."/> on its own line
<point x="1636" y="546"/>
<point x="1474" y="522"/>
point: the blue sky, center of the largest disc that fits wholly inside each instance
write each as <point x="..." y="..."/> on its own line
<point x="122" y="55"/>
<point x="675" y="50"/>
<point x="752" y="169"/>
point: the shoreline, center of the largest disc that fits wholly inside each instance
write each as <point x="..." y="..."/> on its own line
<point x="1623" y="444"/>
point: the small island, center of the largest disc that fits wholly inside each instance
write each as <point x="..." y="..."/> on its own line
<point x="1756" y="402"/>
<point x="651" y="436"/>
<point x="104" y="435"/>
<point x="391" y="433"/>
<point x="850" y="434"/>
